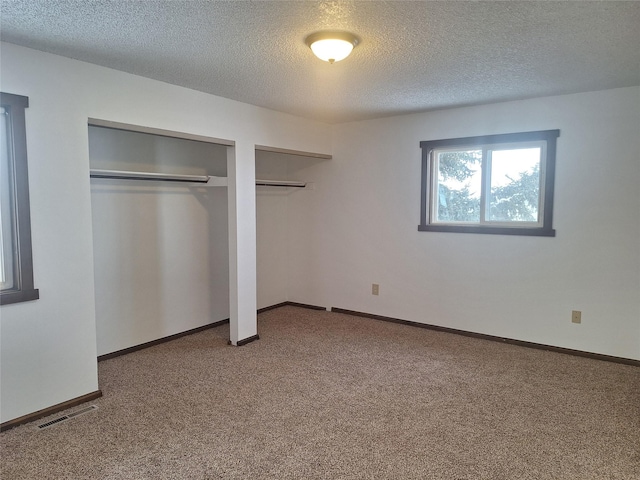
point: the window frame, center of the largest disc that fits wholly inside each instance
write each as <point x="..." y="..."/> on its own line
<point x="547" y="173"/>
<point x="23" y="289"/>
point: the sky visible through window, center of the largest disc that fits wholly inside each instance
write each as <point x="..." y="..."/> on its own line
<point x="506" y="166"/>
<point x="509" y="165"/>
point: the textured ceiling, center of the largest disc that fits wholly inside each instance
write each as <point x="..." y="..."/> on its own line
<point x="414" y="56"/>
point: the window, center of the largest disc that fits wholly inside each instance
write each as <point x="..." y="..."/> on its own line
<point x="16" y="266"/>
<point x="499" y="184"/>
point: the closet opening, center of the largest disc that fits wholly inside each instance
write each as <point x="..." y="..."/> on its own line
<point x="285" y="247"/>
<point x="160" y="233"/>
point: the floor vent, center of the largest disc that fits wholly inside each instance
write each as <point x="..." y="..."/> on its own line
<point x="69" y="416"/>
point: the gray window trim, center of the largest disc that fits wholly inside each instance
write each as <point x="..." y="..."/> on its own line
<point x="549" y="136"/>
<point x="17" y="143"/>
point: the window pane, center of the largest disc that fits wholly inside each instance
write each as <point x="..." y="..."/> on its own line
<point x="7" y="264"/>
<point x="459" y="184"/>
<point x="514" y="193"/>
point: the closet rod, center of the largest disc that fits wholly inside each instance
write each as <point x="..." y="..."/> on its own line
<point x="163" y="177"/>
<point x="279" y="183"/>
<point x="166" y="177"/>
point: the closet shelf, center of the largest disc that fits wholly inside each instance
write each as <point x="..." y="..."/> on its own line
<point x="200" y="179"/>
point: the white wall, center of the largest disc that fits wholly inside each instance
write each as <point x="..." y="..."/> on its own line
<point x="161" y="252"/>
<point x="361" y="228"/>
<point x="48" y="346"/>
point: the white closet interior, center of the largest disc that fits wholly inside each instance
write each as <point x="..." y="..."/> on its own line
<point x="161" y="256"/>
<point x="281" y="236"/>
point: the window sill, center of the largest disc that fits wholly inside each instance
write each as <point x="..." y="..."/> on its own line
<point x="9" y="297"/>
<point x="532" y="232"/>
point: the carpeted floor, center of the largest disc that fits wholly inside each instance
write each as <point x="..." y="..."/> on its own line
<point x="326" y="395"/>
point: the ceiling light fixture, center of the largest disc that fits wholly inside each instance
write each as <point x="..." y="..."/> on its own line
<point x="332" y="46"/>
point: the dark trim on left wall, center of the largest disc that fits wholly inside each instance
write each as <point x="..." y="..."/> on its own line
<point x="23" y="289"/>
<point x="152" y="343"/>
<point x="50" y="410"/>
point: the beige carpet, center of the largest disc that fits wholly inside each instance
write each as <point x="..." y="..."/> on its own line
<point x="326" y="395"/>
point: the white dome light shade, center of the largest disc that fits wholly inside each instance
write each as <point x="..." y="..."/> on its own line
<point x="331" y="46"/>
<point x="331" y="50"/>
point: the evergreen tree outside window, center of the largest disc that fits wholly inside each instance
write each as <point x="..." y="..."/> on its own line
<point x="498" y="184"/>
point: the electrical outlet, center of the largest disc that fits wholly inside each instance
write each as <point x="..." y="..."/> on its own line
<point x="375" y="289"/>
<point x="576" y="316"/>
